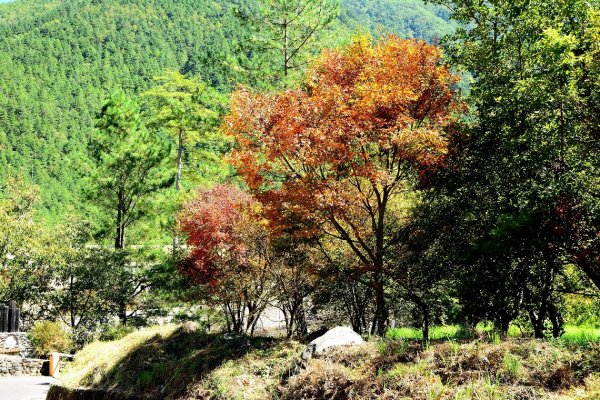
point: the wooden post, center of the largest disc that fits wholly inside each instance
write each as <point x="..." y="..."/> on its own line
<point x="17" y="319"/>
<point x="4" y="314"/>
<point x="54" y="364"/>
<point x="12" y="320"/>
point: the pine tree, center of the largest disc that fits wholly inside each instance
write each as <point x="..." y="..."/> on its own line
<point x="131" y="164"/>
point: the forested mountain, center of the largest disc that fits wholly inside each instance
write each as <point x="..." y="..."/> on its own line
<point x="407" y="18"/>
<point x="59" y="60"/>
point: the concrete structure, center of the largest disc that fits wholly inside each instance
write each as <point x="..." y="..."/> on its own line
<point x="11" y="342"/>
<point x="15" y="353"/>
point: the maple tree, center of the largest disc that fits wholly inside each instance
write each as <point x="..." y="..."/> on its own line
<point x="229" y="253"/>
<point x="339" y="154"/>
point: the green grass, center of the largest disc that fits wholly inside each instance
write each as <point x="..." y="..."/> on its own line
<point x="435" y="333"/>
<point x="573" y="334"/>
<point x="581" y="334"/>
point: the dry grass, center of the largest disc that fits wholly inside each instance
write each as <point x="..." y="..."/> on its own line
<point x="171" y="363"/>
<point x="255" y="376"/>
<point x="515" y="369"/>
<point x="98" y="359"/>
<point x="166" y="363"/>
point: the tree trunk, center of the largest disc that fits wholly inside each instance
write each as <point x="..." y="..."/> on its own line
<point x="504" y="325"/>
<point x="123" y="313"/>
<point x="381" y="312"/>
<point x="590" y="264"/>
<point x="120" y="234"/>
<point x="425" y="315"/>
<point x="425" y="324"/>
<point x="301" y="325"/>
<point x="118" y="244"/>
<point x="178" y="184"/>
<point x="286" y="40"/>
<point x="557" y="321"/>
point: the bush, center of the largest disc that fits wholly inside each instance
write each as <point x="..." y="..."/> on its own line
<point x="47" y="337"/>
<point x="117" y="332"/>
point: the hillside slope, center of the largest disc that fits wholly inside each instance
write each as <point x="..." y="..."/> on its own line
<point x="59" y="60"/>
<point x="176" y="363"/>
<point x="407" y="18"/>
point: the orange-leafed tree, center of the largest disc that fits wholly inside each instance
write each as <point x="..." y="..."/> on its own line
<point x="340" y="153"/>
<point x="228" y="242"/>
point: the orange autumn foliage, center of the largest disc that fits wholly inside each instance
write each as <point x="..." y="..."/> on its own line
<point x="367" y="113"/>
<point x="336" y="154"/>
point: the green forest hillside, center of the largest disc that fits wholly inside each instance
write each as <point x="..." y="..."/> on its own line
<point x="407" y="18"/>
<point x="59" y="60"/>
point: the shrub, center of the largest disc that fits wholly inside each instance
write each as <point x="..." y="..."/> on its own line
<point x="115" y="332"/>
<point x="47" y="337"/>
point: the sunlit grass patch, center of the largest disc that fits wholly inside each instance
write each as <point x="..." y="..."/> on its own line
<point x="100" y="358"/>
<point x="581" y="335"/>
<point x="435" y="333"/>
<point x="166" y="362"/>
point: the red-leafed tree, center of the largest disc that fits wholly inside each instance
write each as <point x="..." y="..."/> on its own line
<point x="341" y="153"/>
<point x="229" y="245"/>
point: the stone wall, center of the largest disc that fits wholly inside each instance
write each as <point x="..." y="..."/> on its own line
<point x="16" y="366"/>
<point x="13" y="341"/>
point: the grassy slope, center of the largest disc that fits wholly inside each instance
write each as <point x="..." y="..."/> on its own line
<point x="167" y="362"/>
<point x="172" y="363"/>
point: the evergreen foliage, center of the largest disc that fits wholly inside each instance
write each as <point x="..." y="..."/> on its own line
<point x="59" y="61"/>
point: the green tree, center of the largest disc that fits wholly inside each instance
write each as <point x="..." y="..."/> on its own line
<point x="27" y="250"/>
<point x="287" y="30"/>
<point x="188" y="111"/>
<point x="131" y="164"/>
<point x="517" y="174"/>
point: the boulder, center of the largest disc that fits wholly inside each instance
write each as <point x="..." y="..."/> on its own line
<point x="338" y="336"/>
<point x="189" y="327"/>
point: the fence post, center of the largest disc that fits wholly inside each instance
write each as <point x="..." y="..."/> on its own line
<point x="54" y="366"/>
<point x="12" y="320"/>
<point x="9" y="317"/>
<point x="4" y="317"/>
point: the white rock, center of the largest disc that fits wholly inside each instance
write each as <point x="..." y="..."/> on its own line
<point x="11" y="342"/>
<point x="338" y="336"/>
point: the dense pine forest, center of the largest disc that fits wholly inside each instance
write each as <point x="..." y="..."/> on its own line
<point x="60" y="60"/>
<point x="207" y="186"/>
